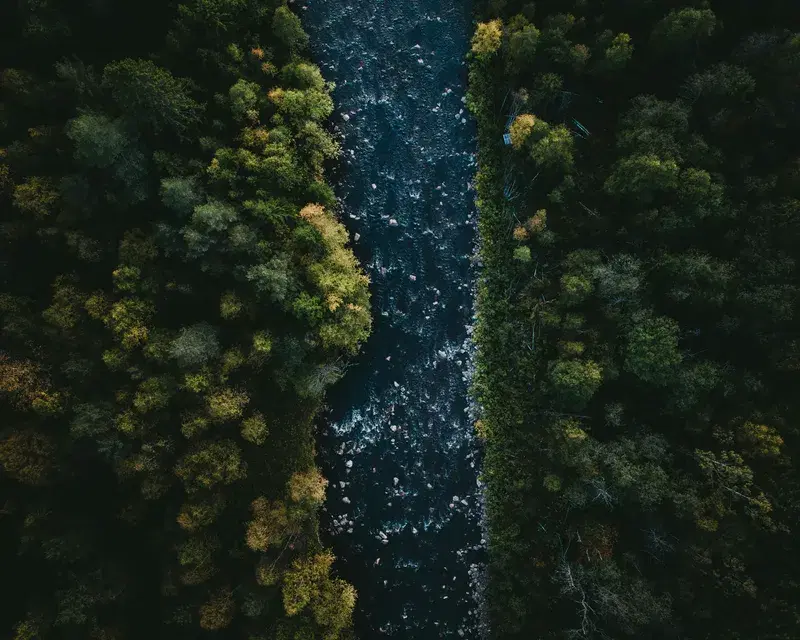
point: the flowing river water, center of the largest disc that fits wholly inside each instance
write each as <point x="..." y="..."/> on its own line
<point x="403" y="510"/>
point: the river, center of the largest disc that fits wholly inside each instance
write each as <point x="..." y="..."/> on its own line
<point x="403" y="513"/>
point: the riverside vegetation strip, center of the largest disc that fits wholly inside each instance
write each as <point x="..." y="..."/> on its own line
<point x="638" y="338"/>
<point x="176" y="296"/>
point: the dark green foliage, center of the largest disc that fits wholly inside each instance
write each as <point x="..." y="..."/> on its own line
<point x="174" y="305"/>
<point x="637" y="350"/>
<point x="151" y="96"/>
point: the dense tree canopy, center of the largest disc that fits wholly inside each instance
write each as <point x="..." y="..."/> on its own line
<point x="174" y="280"/>
<point x="637" y="317"/>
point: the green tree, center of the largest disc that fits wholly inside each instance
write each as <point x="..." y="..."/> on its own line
<point x="35" y="197"/>
<point x="652" y="352"/>
<point x="307" y="487"/>
<point x="575" y="381"/>
<point x="244" y="100"/>
<point x="99" y="141"/>
<point x="619" y="52"/>
<point x="151" y="95"/>
<point x="217" y="612"/>
<point x="641" y="176"/>
<point x="302" y="75"/>
<point x="28" y="456"/>
<point x="208" y="464"/>
<point x="91" y="419"/>
<point x="304" y="580"/>
<point x="289" y="30"/>
<point x="681" y="28"/>
<point x="195" y="346"/>
<point x="522" y="45"/>
<point x="181" y="195"/>
<point x="254" y="429"/>
<point x="554" y="149"/>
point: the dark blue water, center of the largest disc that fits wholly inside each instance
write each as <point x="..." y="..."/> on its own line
<point x="403" y="506"/>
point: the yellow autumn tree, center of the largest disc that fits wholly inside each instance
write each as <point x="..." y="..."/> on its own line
<point x="521" y="129"/>
<point x="307" y="487"/>
<point x="487" y="39"/>
<point x="217" y="612"/>
<point x="342" y="284"/>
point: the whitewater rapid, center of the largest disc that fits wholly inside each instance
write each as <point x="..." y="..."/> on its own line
<point x="403" y="505"/>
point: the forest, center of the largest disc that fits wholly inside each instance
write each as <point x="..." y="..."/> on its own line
<point x="639" y="331"/>
<point x="177" y="294"/>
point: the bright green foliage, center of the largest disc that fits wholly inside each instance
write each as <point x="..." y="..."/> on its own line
<point x="641" y="176"/>
<point x="302" y="75"/>
<point x="554" y="150"/>
<point x="683" y="27"/>
<point x="151" y="95"/>
<point x="244" y="98"/>
<point x="226" y="404"/>
<point x="254" y="429"/>
<point x="288" y="29"/>
<point x="652" y="351"/>
<point x="763" y="440"/>
<point x="127" y="278"/>
<point x="342" y="284"/>
<point x="269" y="525"/>
<point x="35" y="197"/>
<point x="64" y="312"/>
<point x="152" y="394"/>
<point x="128" y="319"/>
<point x="179" y="312"/>
<point x="665" y="260"/>
<point x="262" y="344"/>
<point x="304" y="581"/>
<point x="619" y="52"/>
<point x="194" y="425"/>
<point x="230" y="306"/>
<point x="522" y="254"/>
<point x="232" y="359"/>
<point x="301" y="105"/>
<point x="575" y="289"/>
<point x="333" y="608"/>
<point x="209" y="464"/>
<point x="195" y="346"/>
<point x="575" y="381"/>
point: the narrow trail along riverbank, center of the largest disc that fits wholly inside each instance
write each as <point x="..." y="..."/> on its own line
<point x="403" y="503"/>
